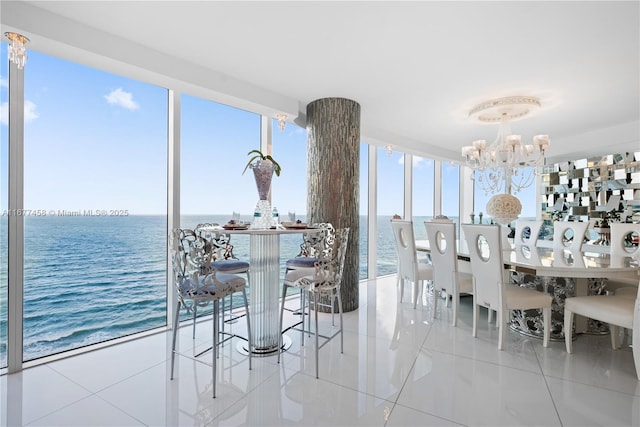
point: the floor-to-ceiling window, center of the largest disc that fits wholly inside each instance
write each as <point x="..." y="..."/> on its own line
<point x="390" y="198"/>
<point x="214" y="142"/>
<point x="289" y="190"/>
<point x="364" y="210"/>
<point x="451" y="193"/>
<point x="4" y="218"/>
<point x="422" y="194"/>
<point x="95" y="166"/>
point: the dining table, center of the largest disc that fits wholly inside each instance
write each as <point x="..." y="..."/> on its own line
<point x="561" y="273"/>
<point x="264" y="284"/>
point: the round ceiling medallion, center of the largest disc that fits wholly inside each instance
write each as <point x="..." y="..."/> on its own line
<point x="510" y="108"/>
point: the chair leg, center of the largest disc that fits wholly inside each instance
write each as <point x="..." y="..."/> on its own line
<point x="173" y="339"/>
<point x="302" y="307"/>
<point x="222" y="311"/>
<point x="284" y="294"/>
<point x="341" y="328"/>
<point x="435" y="300"/>
<point x="614" y="330"/>
<point x="333" y="322"/>
<point x="195" y="312"/>
<point x="500" y="320"/>
<point x="315" y="309"/>
<point x="304" y="303"/>
<point x="568" y="330"/>
<point x="474" y="330"/>
<point x="214" y="352"/>
<point x="246" y="310"/>
<point x="455" y="300"/>
<point x="635" y="336"/>
<point x="546" y="319"/>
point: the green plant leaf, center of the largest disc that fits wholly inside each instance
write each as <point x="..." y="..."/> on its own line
<point x="276" y="165"/>
<point x="260" y="156"/>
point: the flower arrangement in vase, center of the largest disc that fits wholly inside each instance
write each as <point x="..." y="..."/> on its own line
<point x="263" y="167"/>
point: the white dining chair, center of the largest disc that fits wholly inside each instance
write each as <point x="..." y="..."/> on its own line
<point x="527" y="232"/>
<point x="620" y="310"/>
<point x="565" y="240"/>
<point x="624" y="247"/>
<point x="409" y="269"/>
<point x="444" y="258"/>
<point x="490" y="283"/>
<point x="624" y="241"/>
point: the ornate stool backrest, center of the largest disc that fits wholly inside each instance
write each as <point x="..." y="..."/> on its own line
<point x="191" y="259"/>
<point x="221" y="247"/>
<point x="330" y="264"/>
<point x="315" y="244"/>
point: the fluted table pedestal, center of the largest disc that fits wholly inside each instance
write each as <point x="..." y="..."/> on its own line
<point x="264" y="288"/>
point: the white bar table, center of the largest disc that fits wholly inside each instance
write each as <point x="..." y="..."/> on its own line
<point x="264" y="289"/>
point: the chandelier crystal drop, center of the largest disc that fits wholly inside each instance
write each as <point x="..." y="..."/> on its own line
<point x="502" y="165"/>
<point x="17" y="51"/>
<point x="282" y="121"/>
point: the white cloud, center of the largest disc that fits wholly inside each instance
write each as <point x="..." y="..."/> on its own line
<point x="4" y="82"/>
<point x="421" y="161"/>
<point x="122" y="99"/>
<point x="30" y="113"/>
<point x="417" y="161"/>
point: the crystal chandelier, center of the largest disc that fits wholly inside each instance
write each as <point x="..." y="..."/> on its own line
<point x="507" y="164"/>
<point x="282" y="121"/>
<point x="17" y="51"/>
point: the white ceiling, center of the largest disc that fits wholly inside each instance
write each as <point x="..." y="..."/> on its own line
<point x="416" y="68"/>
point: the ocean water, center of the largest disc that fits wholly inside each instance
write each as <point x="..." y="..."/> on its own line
<point x="90" y="279"/>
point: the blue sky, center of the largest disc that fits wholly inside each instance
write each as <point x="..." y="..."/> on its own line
<point x="95" y="140"/>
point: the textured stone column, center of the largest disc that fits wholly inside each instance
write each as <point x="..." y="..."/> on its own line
<point x="333" y="163"/>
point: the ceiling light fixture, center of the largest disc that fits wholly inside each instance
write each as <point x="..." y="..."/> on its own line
<point x="501" y="163"/>
<point x="506" y="165"/>
<point x="282" y="121"/>
<point x="17" y="51"/>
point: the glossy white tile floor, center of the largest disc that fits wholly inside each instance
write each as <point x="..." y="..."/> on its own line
<point x="399" y="368"/>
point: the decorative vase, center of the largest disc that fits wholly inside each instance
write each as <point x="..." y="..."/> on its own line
<point x="263" y="172"/>
<point x="504" y="208"/>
